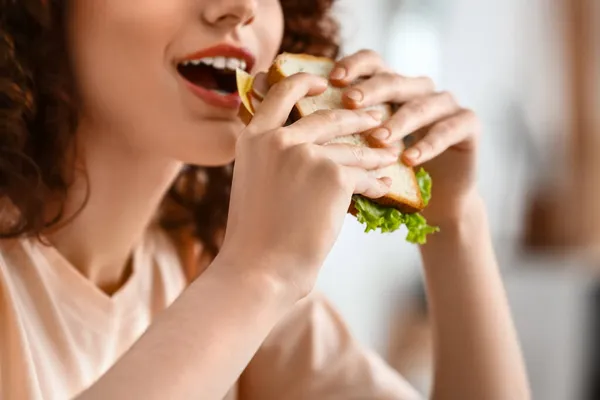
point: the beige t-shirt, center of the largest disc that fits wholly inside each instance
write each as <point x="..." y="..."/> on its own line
<point x="59" y="333"/>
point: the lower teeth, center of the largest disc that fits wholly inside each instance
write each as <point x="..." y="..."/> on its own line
<point x="221" y="92"/>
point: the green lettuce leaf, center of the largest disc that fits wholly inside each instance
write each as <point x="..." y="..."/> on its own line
<point x="425" y="184"/>
<point x="387" y="219"/>
<point x="375" y="216"/>
<point x="418" y="229"/>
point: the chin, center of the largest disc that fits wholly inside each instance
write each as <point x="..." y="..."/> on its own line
<point x="215" y="147"/>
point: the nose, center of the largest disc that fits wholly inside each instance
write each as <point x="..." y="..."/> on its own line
<point x="229" y="13"/>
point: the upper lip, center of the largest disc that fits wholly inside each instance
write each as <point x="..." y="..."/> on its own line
<point x="223" y="50"/>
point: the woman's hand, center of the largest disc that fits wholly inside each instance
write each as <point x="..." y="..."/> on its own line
<point x="473" y="330"/>
<point x="290" y="192"/>
<point x="446" y="134"/>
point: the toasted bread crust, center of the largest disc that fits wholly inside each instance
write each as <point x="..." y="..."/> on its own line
<point x="305" y="57"/>
<point x="276" y="75"/>
<point x="352" y="210"/>
<point x="402" y="205"/>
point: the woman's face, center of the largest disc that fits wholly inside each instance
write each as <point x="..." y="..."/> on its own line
<point x="156" y="75"/>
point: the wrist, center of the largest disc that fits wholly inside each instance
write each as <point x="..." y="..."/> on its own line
<point x="463" y="220"/>
<point x="469" y="206"/>
<point x="255" y="276"/>
<point x="463" y="243"/>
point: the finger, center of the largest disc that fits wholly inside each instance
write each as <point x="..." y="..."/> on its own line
<point x="417" y="114"/>
<point x="360" y="156"/>
<point x="325" y="125"/>
<point x="367" y="183"/>
<point x="460" y="131"/>
<point x="281" y="98"/>
<point x="386" y="88"/>
<point x="362" y="63"/>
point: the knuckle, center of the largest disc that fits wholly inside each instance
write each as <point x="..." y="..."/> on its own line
<point x="416" y="107"/>
<point x="307" y="153"/>
<point x="359" y="153"/>
<point x="436" y="141"/>
<point x="395" y="79"/>
<point x="470" y="115"/>
<point x="400" y="120"/>
<point x="375" y="189"/>
<point x="279" y="139"/>
<point x="430" y="143"/>
<point x="327" y="116"/>
<point x="448" y="96"/>
<point x="446" y="127"/>
<point x="428" y="82"/>
<point x="474" y="121"/>
<point x="283" y="87"/>
<point x="368" y="53"/>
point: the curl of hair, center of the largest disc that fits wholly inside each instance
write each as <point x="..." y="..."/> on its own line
<point x="38" y="120"/>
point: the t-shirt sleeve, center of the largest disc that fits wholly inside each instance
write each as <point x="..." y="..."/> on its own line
<point x="312" y="355"/>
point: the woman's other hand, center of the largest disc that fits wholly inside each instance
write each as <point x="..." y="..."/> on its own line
<point x="445" y="134"/>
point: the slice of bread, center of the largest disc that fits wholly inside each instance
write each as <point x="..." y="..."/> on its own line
<point x="404" y="194"/>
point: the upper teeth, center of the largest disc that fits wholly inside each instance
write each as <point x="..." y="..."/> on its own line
<point x="219" y="62"/>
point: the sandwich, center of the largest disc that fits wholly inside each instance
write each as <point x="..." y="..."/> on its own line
<point x="410" y="192"/>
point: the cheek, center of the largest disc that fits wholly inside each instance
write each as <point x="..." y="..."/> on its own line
<point x="269" y="28"/>
<point x="121" y="54"/>
<point x="118" y="50"/>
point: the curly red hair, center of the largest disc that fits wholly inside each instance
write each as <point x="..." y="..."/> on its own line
<point x="38" y="120"/>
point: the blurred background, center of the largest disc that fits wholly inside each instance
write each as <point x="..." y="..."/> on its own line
<point x="531" y="70"/>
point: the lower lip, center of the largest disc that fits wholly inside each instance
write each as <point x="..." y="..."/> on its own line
<point x="230" y="101"/>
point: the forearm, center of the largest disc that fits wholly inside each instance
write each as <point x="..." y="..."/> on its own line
<point x="477" y="354"/>
<point x="200" y="345"/>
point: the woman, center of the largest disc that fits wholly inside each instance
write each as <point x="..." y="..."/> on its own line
<point x="98" y="119"/>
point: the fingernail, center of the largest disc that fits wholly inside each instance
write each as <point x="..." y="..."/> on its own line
<point x="338" y="73"/>
<point x="412" y="154"/>
<point x="381" y="134"/>
<point x="376" y="114"/>
<point x="355" y="95"/>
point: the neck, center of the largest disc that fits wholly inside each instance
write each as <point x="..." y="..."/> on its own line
<point x="122" y="190"/>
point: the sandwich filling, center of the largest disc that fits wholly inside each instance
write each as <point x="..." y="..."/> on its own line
<point x="388" y="219"/>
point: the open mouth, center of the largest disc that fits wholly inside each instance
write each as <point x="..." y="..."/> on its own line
<point x="216" y="74"/>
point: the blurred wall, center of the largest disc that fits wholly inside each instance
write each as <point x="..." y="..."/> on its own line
<point x="505" y="60"/>
<point x="470" y="47"/>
